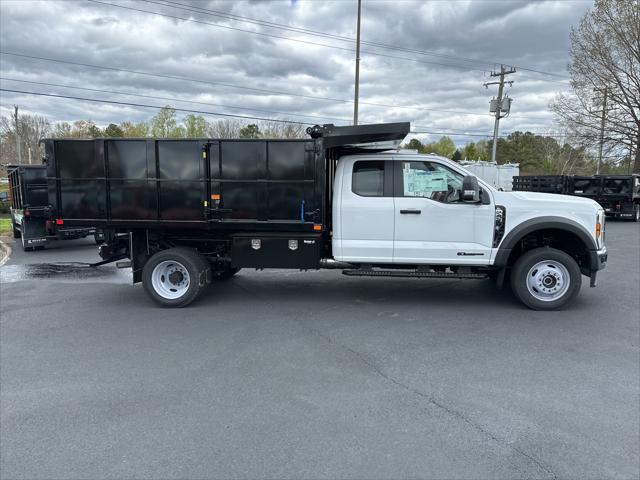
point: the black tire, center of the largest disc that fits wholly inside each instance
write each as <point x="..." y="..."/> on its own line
<point x="197" y="268"/>
<point x="557" y="278"/>
<point x="636" y="213"/>
<point x="16" y="230"/>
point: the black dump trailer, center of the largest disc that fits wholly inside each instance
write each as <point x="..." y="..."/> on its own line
<point x="30" y="209"/>
<point x="542" y="183"/>
<point x="586" y="186"/>
<point x="619" y="195"/>
<point x="207" y="206"/>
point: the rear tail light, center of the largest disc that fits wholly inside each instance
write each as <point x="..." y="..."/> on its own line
<point x="59" y="221"/>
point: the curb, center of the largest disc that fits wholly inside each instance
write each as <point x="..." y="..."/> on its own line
<point x="5" y="253"/>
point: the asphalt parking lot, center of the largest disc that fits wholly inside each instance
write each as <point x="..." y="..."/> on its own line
<point x="315" y="375"/>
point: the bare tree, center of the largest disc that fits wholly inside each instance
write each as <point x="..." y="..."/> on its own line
<point x="605" y="62"/>
<point x="33" y="128"/>
<point x="282" y="130"/>
<point x="224" y="129"/>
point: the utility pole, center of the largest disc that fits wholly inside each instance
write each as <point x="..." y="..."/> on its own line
<point x="18" y="143"/>
<point x="602" y="120"/>
<point x="499" y="108"/>
<point x="355" y="101"/>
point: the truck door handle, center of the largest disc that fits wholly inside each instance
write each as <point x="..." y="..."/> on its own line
<point x="412" y="210"/>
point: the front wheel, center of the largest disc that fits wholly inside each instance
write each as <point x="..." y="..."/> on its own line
<point x="546" y="279"/>
<point x="175" y="277"/>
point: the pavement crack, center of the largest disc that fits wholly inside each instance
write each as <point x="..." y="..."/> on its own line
<point x="433" y="401"/>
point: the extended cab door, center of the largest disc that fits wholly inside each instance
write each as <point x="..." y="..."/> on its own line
<point x="365" y="211"/>
<point x="432" y="224"/>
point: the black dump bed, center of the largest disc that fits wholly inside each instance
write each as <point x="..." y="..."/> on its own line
<point x="541" y="183"/>
<point x="201" y="183"/>
<point x="621" y="185"/>
<point x="587" y="186"/>
<point x="28" y="188"/>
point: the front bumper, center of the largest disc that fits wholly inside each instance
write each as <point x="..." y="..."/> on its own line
<point x="598" y="262"/>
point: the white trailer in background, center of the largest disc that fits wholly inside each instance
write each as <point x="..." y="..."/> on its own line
<point x="499" y="176"/>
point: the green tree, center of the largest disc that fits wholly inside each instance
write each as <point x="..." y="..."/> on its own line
<point x="250" y="131"/>
<point x="195" y="126"/>
<point x="443" y="147"/>
<point x="415" y="144"/>
<point x="113" y="130"/>
<point x="135" y="131"/>
<point x="164" y="124"/>
<point x="470" y="152"/>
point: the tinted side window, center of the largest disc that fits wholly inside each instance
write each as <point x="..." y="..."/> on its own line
<point x="368" y="178"/>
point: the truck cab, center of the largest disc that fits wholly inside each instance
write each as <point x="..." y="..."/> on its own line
<point x="410" y="211"/>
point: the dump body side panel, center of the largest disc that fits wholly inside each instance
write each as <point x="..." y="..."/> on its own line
<point x="187" y="183"/>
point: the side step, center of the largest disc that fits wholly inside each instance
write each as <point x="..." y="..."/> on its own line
<point x="367" y="272"/>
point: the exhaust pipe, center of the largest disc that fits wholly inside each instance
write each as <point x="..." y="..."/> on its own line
<point x="331" y="263"/>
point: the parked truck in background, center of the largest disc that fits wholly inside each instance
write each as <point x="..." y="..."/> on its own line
<point x="30" y="209"/>
<point x="619" y="195"/>
<point x="183" y="213"/>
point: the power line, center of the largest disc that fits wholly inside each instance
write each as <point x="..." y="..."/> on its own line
<point x="271" y="35"/>
<point x="230" y="85"/>
<point x="308" y="42"/>
<point x="419" y="127"/>
<point x="113" y="102"/>
<point x="240" y="18"/>
<point x="141" y="105"/>
<point x="169" y="99"/>
<point x="246" y="117"/>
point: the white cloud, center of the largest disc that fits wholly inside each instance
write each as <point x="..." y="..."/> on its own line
<point x="527" y="34"/>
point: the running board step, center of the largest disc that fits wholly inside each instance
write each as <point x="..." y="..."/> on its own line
<point x="356" y="272"/>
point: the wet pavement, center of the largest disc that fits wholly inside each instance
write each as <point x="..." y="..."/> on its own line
<point x="55" y="264"/>
<point x="315" y="375"/>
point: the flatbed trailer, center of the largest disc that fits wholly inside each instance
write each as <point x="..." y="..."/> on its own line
<point x="31" y="210"/>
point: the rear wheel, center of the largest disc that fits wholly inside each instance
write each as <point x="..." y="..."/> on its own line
<point x="175" y="277"/>
<point x="546" y="279"/>
<point x="636" y="213"/>
<point x="16" y="230"/>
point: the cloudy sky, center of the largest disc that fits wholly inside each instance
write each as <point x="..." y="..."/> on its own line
<point x="422" y="61"/>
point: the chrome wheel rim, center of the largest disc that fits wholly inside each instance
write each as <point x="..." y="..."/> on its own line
<point x="170" y="279"/>
<point x="548" y="280"/>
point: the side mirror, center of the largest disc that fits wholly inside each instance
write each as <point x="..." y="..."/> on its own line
<point x="470" y="189"/>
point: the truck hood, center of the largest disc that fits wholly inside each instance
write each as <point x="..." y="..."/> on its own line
<point x="552" y="201"/>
